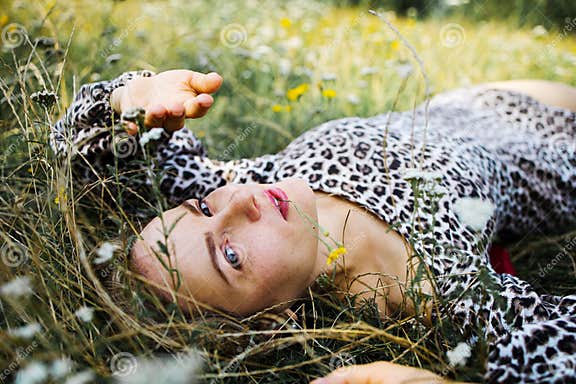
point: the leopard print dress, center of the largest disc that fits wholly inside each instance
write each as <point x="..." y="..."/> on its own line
<point x="492" y="146"/>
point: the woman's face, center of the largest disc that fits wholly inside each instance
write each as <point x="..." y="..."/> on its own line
<point x="236" y="250"/>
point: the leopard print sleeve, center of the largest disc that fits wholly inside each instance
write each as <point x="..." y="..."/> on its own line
<point x="89" y="136"/>
<point x="88" y="121"/>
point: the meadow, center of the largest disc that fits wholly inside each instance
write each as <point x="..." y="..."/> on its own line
<point x="287" y="67"/>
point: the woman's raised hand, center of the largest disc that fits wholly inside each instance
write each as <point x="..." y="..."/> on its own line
<point x="168" y="98"/>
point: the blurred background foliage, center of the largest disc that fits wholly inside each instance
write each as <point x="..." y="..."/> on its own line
<point x="520" y="13"/>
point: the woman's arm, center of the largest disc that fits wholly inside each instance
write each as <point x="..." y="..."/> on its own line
<point x="92" y="139"/>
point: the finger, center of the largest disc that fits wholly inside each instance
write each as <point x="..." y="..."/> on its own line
<point x="155" y="116"/>
<point x="205" y="83"/>
<point x="198" y="106"/>
<point x="174" y="118"/>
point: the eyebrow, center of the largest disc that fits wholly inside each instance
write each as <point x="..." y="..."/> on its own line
<point x="210" y="244"/>
<point x="191" y="207"/>
<point x="209" y="237"/>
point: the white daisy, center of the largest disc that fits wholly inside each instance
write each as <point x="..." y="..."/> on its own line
<point x="474" y="212"/>
<point x="367" y="71"/>
<point x="285" y="66"/>
<point x="539" y="31"/>
<point x="415" y="173"/>
<point x="353" y="99"/>
<point x="60" y="367"/>
<point x="328" y="76"/>
<point x="459" y="355"/>
<point x="85" y="313"/>
<point x="27" y="331"/>
<point x="105" y="252"/>
<point x="34" y="372"/>
<point x="404" y="70"/>
<point x="179" y="369"/>
<point x="19" y="286"/>
<point x="86" y="376"/>
<point x="153" y="134"/>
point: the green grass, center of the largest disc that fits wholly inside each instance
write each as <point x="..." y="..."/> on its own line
<point x="47" y="221"/>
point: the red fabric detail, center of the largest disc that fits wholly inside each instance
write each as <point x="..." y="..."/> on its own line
<point x="500" y="260"/>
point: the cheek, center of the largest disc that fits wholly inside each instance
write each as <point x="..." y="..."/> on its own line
<point x="283" y="267"/>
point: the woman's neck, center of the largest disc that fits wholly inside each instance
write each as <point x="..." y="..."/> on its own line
<point x="375" y="264"/>
<point x="334" y="219"/>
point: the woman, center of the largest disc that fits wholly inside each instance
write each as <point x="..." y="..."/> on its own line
<point x="253" y="233"/>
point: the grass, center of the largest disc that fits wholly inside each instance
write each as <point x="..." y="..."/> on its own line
<point x="353" y="65"/>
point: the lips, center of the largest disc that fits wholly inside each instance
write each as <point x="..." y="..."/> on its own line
<point x="279" y="199"/>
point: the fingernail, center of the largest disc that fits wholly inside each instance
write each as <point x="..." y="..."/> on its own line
<point x="215" y="73"/>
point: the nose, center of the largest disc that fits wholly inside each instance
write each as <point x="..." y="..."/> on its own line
<point x="243" y="204"/>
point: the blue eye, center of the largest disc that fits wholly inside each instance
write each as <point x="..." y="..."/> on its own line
<point x="231" y="257"/>
<point x="204" y="208"/>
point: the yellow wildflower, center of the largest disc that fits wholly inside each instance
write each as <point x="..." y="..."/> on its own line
<point x="335" y="254"/>
<point x="329" y="93"/>
<point x="285" y="22"/>
<point x="410" y="22"/>
<point x="277" y="108"/>
<point x="295" y="93"/>
<point x="3" y="20"/>
<point x="201" y="134"/>
<point x="395" y="45"/>
<point x="61" y="196"/>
